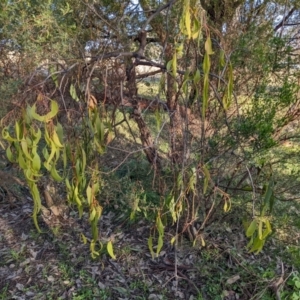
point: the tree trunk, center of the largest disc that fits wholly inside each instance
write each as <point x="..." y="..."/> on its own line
<point x="145" y="135"/>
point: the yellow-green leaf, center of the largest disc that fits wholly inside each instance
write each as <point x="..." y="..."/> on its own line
<point x="92" y="214"/>
<point x="19" y="131"/>
<point x="54" y="174"/>
<point x="159" y="244"/>
<point x="36" y="162"/>
<point x="222" y="58"/>
<point x="174" y="64"/>
<point x="251" y="229"/>
<point x="94" y="253"/>
<point x="110" y="250"/>
<point x="6" y="135"/>
<point x="24" y="146"/>
<point x="9" y="155"/>
<point x="206" y="64"/>
<point x="84" y="239"/>
<point x="206" y="178"/>
<point x="196" y="78"/>
<point x="56" y="140"/>
<point x="187" y="18"/>
<point x="260" y="226"/>
<point x="169" y="65"/>
<point x="150" y="245"/>
<point x="173" y="239"/>
<point x="21" y="161"/>
<point x="202" y="241"/>
<point x="160" y="226"/>
<point x="208" y="46"/>
<point x="73" y="93"/>
<point x="89" y="194"/>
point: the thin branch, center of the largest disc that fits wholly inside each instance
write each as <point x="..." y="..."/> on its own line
<point x="169" y="4"/>
<point x="253" y="192"/>
<point x="282" y="22"/>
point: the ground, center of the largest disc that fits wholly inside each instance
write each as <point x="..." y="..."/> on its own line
<point x="57" y="264"/>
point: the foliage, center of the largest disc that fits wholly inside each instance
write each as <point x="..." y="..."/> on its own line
<point x="225" y="99"/>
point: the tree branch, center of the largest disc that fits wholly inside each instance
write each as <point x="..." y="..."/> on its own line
<point x="282" y="22"/>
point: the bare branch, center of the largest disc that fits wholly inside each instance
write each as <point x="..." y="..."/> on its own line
<point x="282" y="22"/>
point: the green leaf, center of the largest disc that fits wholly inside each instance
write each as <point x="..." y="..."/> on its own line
<point x="251" y="229"/>
<point x="269" y="193"/>
<point x="53" y="112"/>
<point x="6" y="135"/>
<point x="160" y="226"/>
<point x="187" y="18"/>
<point x="206" y="64"/>
<point x="196" y="29"/>
<point x="94" y="253"/>
<point x="159" y="244"/>
<point x="36" y="162"/>
<point x="173" y="239"/>
<point x="208" y="46"/>
<point x="150" y="246"/>
<point x="110" y="250"/>
<point x="260" y="226"/>
<point x="36" y="203"/>
<point x="19" y="131"/>
<point x="206" y="179"/>
<point x="197" y="77"/>
<point x="60" y="132"/>
<point x="222" y="58"/>
<point x="54" y="174"/>
<point x="10" y="155"/>
<point x="34" y="115"/>
<point x="56" y="140"/>
<point x="24" y="147"/>
<point x="169" y="65"/>
<point x="89" y="194"/>
<point x="92" y="215"/>
<point x="268" y="229"/>
<point x="73" y="93"/>
<point x="51" y="156"/>
<point x="21" y="161"/>
<point x="257" y="245"/>
<point x="84" y="239"/>
<point x="174" y="64"/>
<point x="205" y="95"/>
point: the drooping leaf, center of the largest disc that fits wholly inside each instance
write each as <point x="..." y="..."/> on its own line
<point x="160" y="243"/>
<point x="55" y="175"/>
<point x="92" y="214"/>
<point x="251" y="229"/>
<point x="260" y="226"/>
<point x="197" y="77"/>
<point x="187" y="18"/>
<point x="206" y="178"/>
<point x="73" y="93"/>
<point x="36" y="162"/>
<point x="56" y="140"/>
<point x="110" y="250"/>
<point x="208" y="46"/>
<point x="9" y="154"/>
<point x="150" y="245"/>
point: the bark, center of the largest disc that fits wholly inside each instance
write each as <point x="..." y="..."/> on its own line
<point x="145" y="135"/>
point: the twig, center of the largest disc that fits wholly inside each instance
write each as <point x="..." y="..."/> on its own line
<point x="253" y="192"/>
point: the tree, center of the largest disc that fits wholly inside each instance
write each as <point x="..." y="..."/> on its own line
<point x="227" y="85"/>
